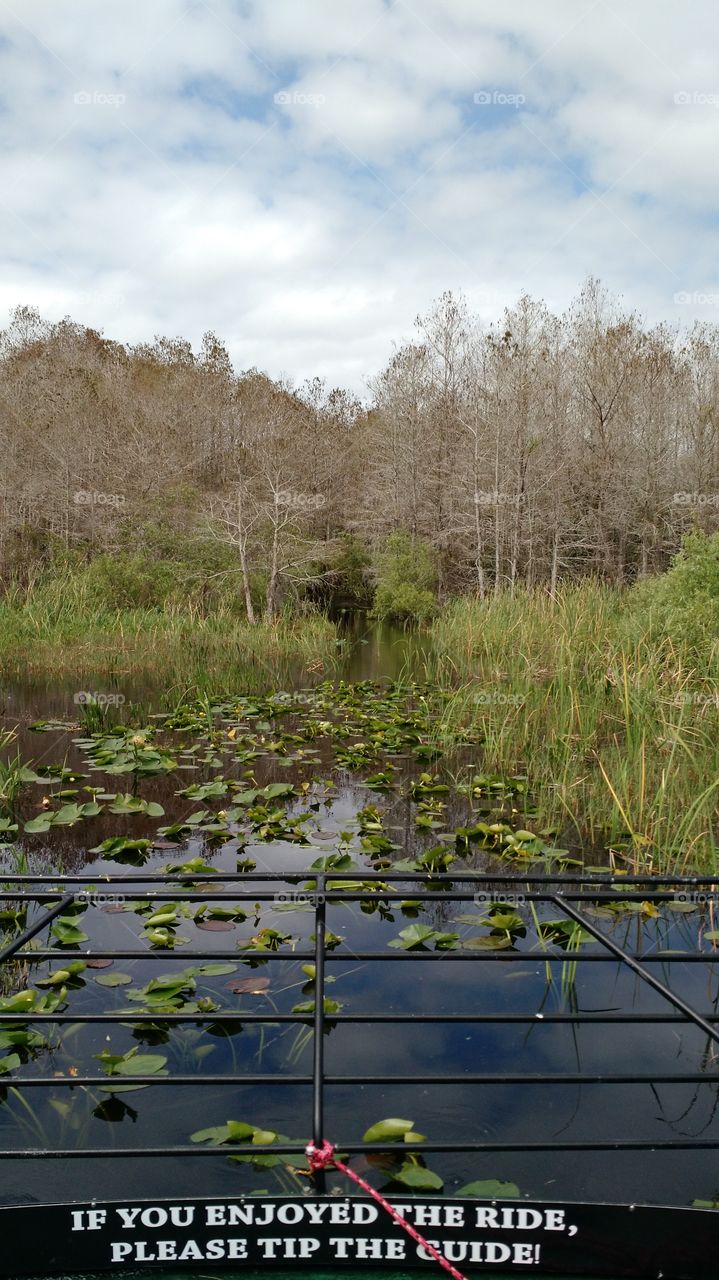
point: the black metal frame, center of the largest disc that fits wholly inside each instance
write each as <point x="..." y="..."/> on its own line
<point x="561" y="893"/>
<point x="628" y="1240"/>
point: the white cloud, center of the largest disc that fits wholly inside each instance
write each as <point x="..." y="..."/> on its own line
<point x="309" y="233"/>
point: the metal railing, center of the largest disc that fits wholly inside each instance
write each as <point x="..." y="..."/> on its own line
<point x="561" y="893"/>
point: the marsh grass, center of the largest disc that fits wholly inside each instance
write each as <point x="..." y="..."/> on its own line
<point x="57" y="629"/>
<point x="12" y="774"/>
<point x="615" y="722"/>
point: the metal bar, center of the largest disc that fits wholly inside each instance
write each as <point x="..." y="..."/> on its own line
<point x="34" y="1082"/>
<point x="607" y="888"/>
<point x="247" y="956"/>
<point x="147" y="1015"/>
<point x="636" y="968"/>
<point x="193" y="1019"/>
<point x="533" y="1078"/>
<point x="318" y="1048"/>
<point x="298" y="1149"/>
<point x="480" y="877"/>
<point x="191" y="894"/>
<point x="12" y="948"/>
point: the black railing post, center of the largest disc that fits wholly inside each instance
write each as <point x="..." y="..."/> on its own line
<point x="318" y="1064"/>
<point x="10" y="950"/>
<point x="635" y="967"/>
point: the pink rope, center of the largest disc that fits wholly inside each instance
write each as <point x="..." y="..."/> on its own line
<point x="322" y="1157"/>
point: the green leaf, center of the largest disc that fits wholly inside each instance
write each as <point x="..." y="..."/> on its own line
<point x="113" y="979"/>
<point x="67" y="816"/>
<point x="141" y="1064"/>
<point x="275" y="789"/>
<point x="21" y="1002"/>
<point x="39" y="825"/>
<point x="391" y="1130"/>
<point x="238" y="1131"/>
<point x="29" y="775"/>
<point x="166" y="915"/>
<point x="61" y="976"/>
<point x="415" y="935"/>
<point x="413" y="1175"/>
<point x="123" y="849"/>
<point x="489" y="942"/>
<point x="491" y="1189"/>
<point x="245" y="797"/>
<point x="308" y="1006"/>
<point x="216" y="1135"/>
<point x="66" y="931"/>
<point x="263" y="1137"/>
<point x="172" y="982"/>
<point x="193" y="865"/>
<point x="507" y="920"/>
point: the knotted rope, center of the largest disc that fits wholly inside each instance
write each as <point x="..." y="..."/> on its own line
<point x="324" y="1157"/>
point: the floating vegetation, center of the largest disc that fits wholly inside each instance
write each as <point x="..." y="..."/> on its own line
<point x="235" y="1131"/>
<point x="290" y="803"/>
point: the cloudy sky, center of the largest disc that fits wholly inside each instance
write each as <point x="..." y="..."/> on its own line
<point x="305" y="176"/>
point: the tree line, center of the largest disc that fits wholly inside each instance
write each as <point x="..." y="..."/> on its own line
<point x="531" y="450"/>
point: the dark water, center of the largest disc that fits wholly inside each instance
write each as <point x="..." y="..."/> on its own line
<point x="371" y="650"/>
<point x="379" y="650"/>
<point x="61" y="1115"/>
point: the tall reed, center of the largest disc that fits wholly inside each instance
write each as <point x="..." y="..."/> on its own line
<point x="614" y="722"/>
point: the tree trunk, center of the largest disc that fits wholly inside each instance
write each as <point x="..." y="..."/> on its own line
<point x="271" y="600"/>
<point x="243" y="561"/>
<point x="555" y="564"/>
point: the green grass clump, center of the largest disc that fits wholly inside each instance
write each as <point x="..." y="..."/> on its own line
<point x="614" y="719"/>
<point x="59" y="629"/>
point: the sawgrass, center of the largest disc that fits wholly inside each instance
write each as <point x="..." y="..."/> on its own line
<point x="614" y="720"/>
<point x="57" y="630"/>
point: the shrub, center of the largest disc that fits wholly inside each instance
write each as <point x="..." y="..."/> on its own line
<point x="352" y="567"/>
<point x="135" y="581"/>
<point x="406" y="579"/>
<point x="687" y="595"/>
